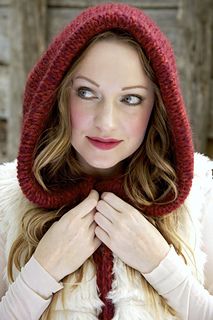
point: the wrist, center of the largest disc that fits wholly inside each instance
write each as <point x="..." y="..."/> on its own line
<point x="48" y="267"/>
<point x="162" y="254"/>
<point x="39" y="280"/>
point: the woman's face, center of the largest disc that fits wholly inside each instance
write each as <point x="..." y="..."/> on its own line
<point x="111" y="100"/>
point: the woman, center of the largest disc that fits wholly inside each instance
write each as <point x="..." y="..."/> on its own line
<point x="103" y="219"/>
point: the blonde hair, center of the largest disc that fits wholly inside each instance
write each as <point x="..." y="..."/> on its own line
<point x="151" y="175"/>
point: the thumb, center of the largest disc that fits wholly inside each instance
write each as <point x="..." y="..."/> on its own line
<point x="89" y="203"/>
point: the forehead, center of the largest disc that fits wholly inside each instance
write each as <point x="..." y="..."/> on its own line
<point x="112" y="59"/>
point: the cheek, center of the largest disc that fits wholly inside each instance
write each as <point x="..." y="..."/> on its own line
<point x="137" y="126"/>
<point x="79" y="118"/>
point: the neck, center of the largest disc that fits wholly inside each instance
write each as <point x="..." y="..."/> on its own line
<point x="102" y="173"/>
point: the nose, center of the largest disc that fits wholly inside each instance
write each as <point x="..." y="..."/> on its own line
<point x="105" y="119"/>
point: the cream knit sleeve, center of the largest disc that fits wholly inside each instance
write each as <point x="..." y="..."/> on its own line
<point x="30" y="294"/>
<point x="173" y="280"/>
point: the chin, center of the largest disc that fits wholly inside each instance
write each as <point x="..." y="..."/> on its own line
<point x="102" y="165"/>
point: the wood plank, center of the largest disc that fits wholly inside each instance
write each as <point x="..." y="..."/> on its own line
<point x="195" y="22"/>
<point x="17" y="81"/>
<point x="27" y="34"/>
<point x="4" y="92"/>
<point x="210" y="127"/>
<point x="4" y="35"/>
<point x="209" y="148"/>
<point x="5" y="3"/>
<point x="210" y="131"/>
<point x="58" y="18"/>
<point x="139" y="3"/>
<point x="3" y="139"/>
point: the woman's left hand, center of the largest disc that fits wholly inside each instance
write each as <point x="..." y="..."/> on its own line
<point x="124" y="230"/>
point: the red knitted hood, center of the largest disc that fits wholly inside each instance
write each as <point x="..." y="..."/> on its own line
<point x="47" y="74"/>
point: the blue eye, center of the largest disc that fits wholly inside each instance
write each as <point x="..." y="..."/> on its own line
<point x="85" y="93"/>
<point x="132" y="100"/>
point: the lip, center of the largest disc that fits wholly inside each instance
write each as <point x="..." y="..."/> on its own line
<point x="104" y="143"/>
<point x="102" y="139"/>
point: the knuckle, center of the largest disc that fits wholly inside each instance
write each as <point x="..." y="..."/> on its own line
<point x="100" y="204"/>
<point x="96" y="218"/>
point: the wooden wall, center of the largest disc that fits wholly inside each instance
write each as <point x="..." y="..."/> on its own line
<point x="27" y="26"/>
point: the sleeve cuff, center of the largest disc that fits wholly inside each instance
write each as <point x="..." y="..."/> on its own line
<point x="39" y="280"/>
<point x="169" y="274"/>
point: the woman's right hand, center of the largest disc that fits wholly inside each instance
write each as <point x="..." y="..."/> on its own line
<point x="70" y="241"/>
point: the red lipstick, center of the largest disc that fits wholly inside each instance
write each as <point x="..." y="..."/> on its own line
<point x="104" y="143"/>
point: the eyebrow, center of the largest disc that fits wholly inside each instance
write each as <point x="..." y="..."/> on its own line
<point x="85" y="78"/>
<point x="97" y="85"/>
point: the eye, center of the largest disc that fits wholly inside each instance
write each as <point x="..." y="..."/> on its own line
<point x="132" y="100"/>
<point x="85" y="93"/>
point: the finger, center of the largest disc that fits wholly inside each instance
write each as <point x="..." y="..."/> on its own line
<point x="103" y="222"/>
<point x="87" y="204"/>
<point x="107" y="210"/>
<point x="92" y="227"/>
<point x="94" y="194"/>
<point x="103" y="236"/>
<point x="95" y="241"/>
<point x="88" y="219"/>
<point x="96" y="244"/>
<point x="116" y="202"/>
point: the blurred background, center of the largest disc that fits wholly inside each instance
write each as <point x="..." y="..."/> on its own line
<point x="27" y="27"/>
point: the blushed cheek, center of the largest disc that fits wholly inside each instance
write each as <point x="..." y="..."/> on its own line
<point x="139" y="126"/>
<point x="79" y="119"/>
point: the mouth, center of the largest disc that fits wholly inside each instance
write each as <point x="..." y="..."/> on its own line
<point x="104" y="143"/>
